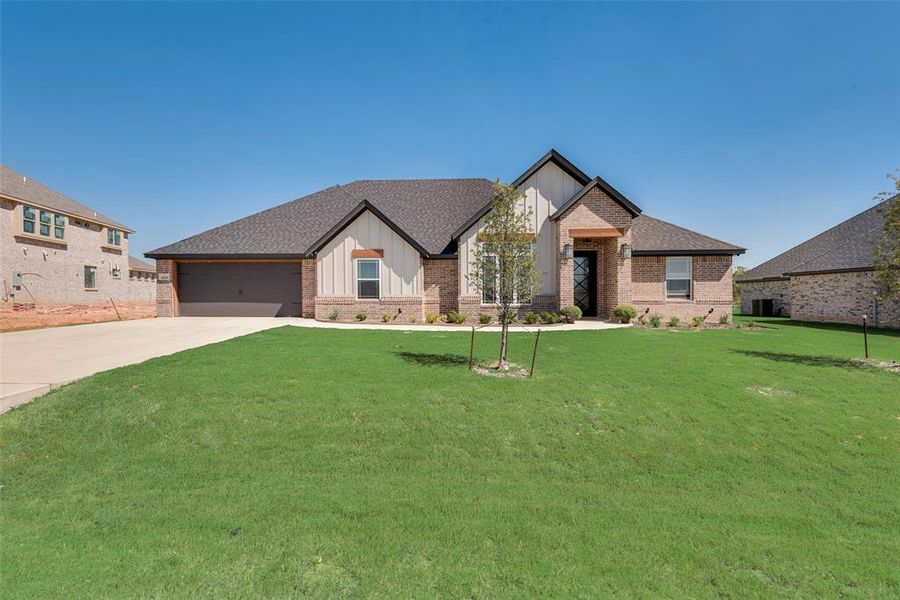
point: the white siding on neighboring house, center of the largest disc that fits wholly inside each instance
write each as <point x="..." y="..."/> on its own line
<point x="545" y="192"/>
<point x="335" y="266"/>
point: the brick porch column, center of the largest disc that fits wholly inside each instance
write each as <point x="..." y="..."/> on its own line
<point x="166" y="294"/>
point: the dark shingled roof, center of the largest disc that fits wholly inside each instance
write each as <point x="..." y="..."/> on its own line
<point x="655" y="237"/>
<point x="136" y="264"/>
<point x="848" y="246"/>
<point x="26" y="189"/>
<point x="428" y="210"/>
<point x="431" y="213"/>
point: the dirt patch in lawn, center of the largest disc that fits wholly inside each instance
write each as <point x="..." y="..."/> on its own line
<point x="36" y="317"/>
<point x="891" y="366"/>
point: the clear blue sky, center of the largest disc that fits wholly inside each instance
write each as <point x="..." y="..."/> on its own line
<point x="761" y="124"/>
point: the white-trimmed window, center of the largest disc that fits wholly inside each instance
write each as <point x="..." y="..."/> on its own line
<point x="490" y="286"/>
<point x="678" y="277"/>
<point x="113" y="237"/>
<point x="90" y="277"/>
<point x="368" y="278"/>
<point x="43" y="222"/>
<point x="29" y="219"/>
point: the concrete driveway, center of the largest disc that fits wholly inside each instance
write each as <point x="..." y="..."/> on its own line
<point x="34" y="362"/>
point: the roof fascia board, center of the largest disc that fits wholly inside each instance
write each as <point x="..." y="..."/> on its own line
<point x="608" y="189"/>
<point x="475" y="218"/>
<point x="223" y="257"/>
<point x="733" y="252"/>
<point x="560" y="161"/>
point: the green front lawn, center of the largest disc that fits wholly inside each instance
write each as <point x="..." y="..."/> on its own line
<point x="298" y="462"/>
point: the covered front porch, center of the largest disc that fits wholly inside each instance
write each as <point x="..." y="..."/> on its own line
<point x="594" y="257"/>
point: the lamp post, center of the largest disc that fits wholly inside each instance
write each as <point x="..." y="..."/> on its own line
<point x="866" y="335"/>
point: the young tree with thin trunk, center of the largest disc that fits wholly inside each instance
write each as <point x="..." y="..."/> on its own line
<point x="887" y="251"/>
<point x="503" y="269"/>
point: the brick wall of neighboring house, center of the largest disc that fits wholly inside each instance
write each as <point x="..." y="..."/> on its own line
<point x="308" y="288"/>
<point x="141" y="288"/>
<point x="779" y="291"/>
<point x="441" y="292"/>
<point x="840" y="298"/>
<point x="711" y="288"/>
<point x="166" y="300"/>
<point x="54" y="271"/>
<point x="404" y="308"/>
<point x="597" y="209"/>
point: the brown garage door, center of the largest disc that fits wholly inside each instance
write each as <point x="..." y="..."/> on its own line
<point x="239" y="289"/>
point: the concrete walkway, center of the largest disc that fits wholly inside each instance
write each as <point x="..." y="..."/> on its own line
<point x="583" y="325"/>
<point x="34" y="362"/>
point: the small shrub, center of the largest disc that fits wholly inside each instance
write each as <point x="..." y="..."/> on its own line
<point x="655" y="320"/>
<point x="361" y="316"/>
<point x="442" y="318"/>
<point x="697" y="321"/>
<point x="333" y="315"/>
<point x="550" y="318"/>
<point x="506" y="317"/>
<point x="624" y="312"/>
<point x="431" y="318"/>
<point x="456" y="317"/>
<point x="485" y="319"/>
<point x="387" y="317"/>
<point x="674" y="321"/>
<point x="723" y="319"/>
<point x="571" y="313"/>
<point x="413" y="319"/>
<point x="530" y="317"/>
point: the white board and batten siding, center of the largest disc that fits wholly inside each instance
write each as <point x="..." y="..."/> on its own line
<point x="336" y="267"/>
<point x="545" y="192"/>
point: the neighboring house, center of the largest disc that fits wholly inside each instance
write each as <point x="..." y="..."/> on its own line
<point x="830" y="277"/>
<point x="54" y="250"/>
<point x="405" y="247"/>
<point x="141" y="280"/>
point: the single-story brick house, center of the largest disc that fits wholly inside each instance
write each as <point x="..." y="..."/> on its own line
<point x="827" y="278"/>
<point x="405" y="247"/>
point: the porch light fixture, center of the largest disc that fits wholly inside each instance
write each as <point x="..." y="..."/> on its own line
<point x="626" y="251"/>
<point x="568" y="253"/>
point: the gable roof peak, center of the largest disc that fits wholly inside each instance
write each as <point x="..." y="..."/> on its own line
<point x="609" y="190"/>
<point x="554" y="156"/>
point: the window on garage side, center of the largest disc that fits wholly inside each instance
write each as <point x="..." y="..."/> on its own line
<point x="368" y="283"/>
<point x="678" y="277"/>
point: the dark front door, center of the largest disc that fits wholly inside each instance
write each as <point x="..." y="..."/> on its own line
<point x="585" y="270"/>
<point x="248" y="289"/>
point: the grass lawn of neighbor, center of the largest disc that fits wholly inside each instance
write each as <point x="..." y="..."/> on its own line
<point x="313" y="462"/>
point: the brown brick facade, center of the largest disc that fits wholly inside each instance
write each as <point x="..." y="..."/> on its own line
<point x="840" y="298"/>
<point x="597" y="210"/>
<point x="166" y="298"/>
<point x="778" y="291"/>
<point x="711" y="288"/>
<point x="441" y="285"/>
<point x="308" y="288"/>
<point x="403" y="308"/>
